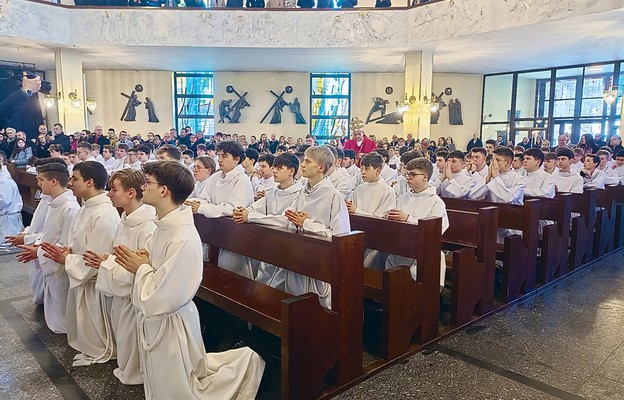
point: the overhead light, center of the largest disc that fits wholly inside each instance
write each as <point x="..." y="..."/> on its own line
<point x="610" y="96"/>
<point x="48" y="101"/>
<point x="91" y="103"/>
<point x="75" y="101"/>
<point x="595" y="68"/>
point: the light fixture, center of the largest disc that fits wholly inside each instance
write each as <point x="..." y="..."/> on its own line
<point x="75" y="101"/>
<point x="48" y="100"/>
<point x="610" y="96"/>
<point x="91" y="103"/>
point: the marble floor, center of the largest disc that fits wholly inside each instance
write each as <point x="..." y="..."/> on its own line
<point x="566" y="342"/>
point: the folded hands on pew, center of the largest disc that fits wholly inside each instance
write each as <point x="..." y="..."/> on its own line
<point x="396" y="215"/>
<point x="56" y="253"/>
<point x="350" y="206"/>
<point x="240" y="215"/>
<point x="93" y="260"/>
<point x="28" y="253"/>
<point x="130" y="260"/>
<point x="297" y="218"/>
<point x="15" y="240"/>
<point x="194" y="204"/>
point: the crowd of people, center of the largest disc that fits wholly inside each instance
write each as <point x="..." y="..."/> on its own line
<point x="325" y="4"/>
<point x="121" y="287"/>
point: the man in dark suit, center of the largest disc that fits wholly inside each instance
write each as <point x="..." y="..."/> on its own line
<point x="98" y="137"/>
<point x="475" y="142"/>
<point x="60" y="138"/>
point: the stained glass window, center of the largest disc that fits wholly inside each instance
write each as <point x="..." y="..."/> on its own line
<point x="330" y="105"/>
<point x="194" y="101"/>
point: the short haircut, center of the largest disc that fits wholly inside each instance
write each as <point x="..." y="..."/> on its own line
<point x="130" y="179"/>
<point x="112" y="129"/>
<point x="565" y="152"/>
<point x="59" y="125"/>
<point x="188" y="153"/>
<point x="458" y="154"/>
<point x="491" y="141"/>
<point x="56" y="147"/>
<point x="479" y="150"/>
<point x="178" y="179"/>
<point x="504" y="152"/>
<point x="579" y="151"/>
<point x="287" y="160"/>
<point x="383" y="153"/>
<point x="144" y="149"/>
<point x="442" y="153"/>
<point x="535" y="153"/>
<point x="208" y="162"/>
<point x="603" y="153"/>
<point x="321" y="155"/>
<point x="304" y="147"/>
<point x="550" y="156"/>
<point x="410" y="155"/>
<point x="232" y="147"/>
<point x="122" y="146"/>
<point x="340" y="152"/>
<point x="349" y="154"/>
<point x="84" y="145"/>
<point x="594" y="157"/>
<point x="373" y="159"/>
<point x="171" y="150"/>
<point x="519" y="148"/>
<point x="252" y="154"/>
<point x="519" y="155"/>
<point x="109" y="148"/>
<point x="211" y="146"/>
<point x="281" y="147"/>
<point x="95" y="146"/>
<point x="48" y="160"/>
<point x="93" y="170"/>
<point x="201" y="147"/>
<point x="421" y="164"/>
<point x="268" y="158"/>
<point x="620" y="153"/>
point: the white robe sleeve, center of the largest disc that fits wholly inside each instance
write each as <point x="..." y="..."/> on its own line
<point x="172" y="285"/>
<point x="508" y="195"/>
<point x="546" y="189"/>
<point x="241" y="195"/>
<point x="339" y="220"/>
<point x="479" y="189"/>
<point x="459" y="189"/>
<point x="48" y="266"/>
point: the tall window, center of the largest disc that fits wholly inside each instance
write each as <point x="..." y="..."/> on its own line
<point x="194" y="101"/>
<point x="330" y="105"/>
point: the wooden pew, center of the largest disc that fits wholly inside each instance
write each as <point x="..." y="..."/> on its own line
<point x="317" y="344"/>
<point x="519" y="253"/>
<point x="27" y="186"/>
<point x="473" y="267"/>
<point x="409" y="308"/>
<point x="604" y="236"/>
<point x="619" y="216"/>
<point x="555" y="238"/>
<point x="583" y="225"/>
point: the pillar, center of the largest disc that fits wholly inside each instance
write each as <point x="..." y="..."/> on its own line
<point x="69" y="79"/>
<point x="418" y="82"/>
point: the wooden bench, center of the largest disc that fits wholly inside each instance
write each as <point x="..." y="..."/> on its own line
<point x="409" y="309"/>
<point x="619" y="216"/>
<point x="555" y="238"/>
<point x="604" y="236"/>
<point x="583" y="225"/>
<point x="318" y="345"/>
<point x="27" y="186"/>
<point x="519" y="253"/>
<point x="472" y="237"/>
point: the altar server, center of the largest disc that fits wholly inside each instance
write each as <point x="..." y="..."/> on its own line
<point x="539" y="182"/>
<point x="10" y="204"/>
<point x="455" y="182"/>
<point x="566" y="180"/>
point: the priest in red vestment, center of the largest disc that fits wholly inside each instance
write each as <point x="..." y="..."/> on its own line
<point x="359" y="142"/>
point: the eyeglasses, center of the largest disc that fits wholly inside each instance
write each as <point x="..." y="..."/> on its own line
<point x="196" y="168"/>
<point x="412" y="174"/>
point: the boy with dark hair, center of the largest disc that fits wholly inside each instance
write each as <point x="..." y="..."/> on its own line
<point x="389" y="175"/>
<point x="320" y="209"/>
<point x="566" y="180"/>
<point x="249" y="166"/>
<point x="225" y="191"/>
<point x="517" y="164"/>
<point x="265" y="181"/>
<point x="88" y="324"/>
<point x="167" y="274"/>
<point x="401" y="186"/>
<point x="619" y="165"/>
<point x="269" y="210"/>
<point x="10" y="203"/>
<point x="455" y="181"/>
<point x="61" y="209"/>
<point x="373" y="197"/>
<point x="502" y="185"/>
<point x="490" y="145"/>
<point x="550" y="163"/>
<point x="421" y="201"/>
<point x="187" y="158"/>
<point x="168" y="152"/>
<point x="593" y="177"/>
<point x="539" y="183"/>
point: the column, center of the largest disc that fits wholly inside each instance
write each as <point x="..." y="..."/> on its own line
<point x="69" y="79"/>
<point x="418" y="81"/>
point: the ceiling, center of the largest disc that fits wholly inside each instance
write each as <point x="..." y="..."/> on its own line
<point x="586" y="39"/>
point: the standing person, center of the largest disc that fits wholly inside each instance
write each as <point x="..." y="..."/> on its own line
<point x="167" y="274"/>
<point x="136" y="228"/>
<point x="10" y="204"/>
<point x="88" y="323"/>
<point x="52" y="178"/>
<point x="474" y="142"/>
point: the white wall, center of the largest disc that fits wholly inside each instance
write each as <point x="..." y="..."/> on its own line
<point x="106" y="87"/>
<point x="525" y="99"/>
<point x="259" y="84"/>
<point x="366" y="86"/>
<point x="468" y="89"/>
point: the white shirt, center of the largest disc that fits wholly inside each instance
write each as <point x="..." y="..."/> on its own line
<point x="374" y="198"/>
<point x="595" y="180"/>
<point x="389" y="175"/>
<point x="612" y="176"/>
<point x="458" y="186"/>
<point x="568" y="182"/>
<point x="341" y="182"/>
<point x="539" y="184"/>
<point x="270" y="209"/>
<point x="224" y="192"/>
<point x="507" y="187"/>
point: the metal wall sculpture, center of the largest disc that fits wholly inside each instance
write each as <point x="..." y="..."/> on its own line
<point x="455" y="112"/>
<point x="129" y="113"/>
<point x="278" y="107"/>
<point x="232" y="112"/>
<point x="435" y="113"/>
<point x="379" y="106"/>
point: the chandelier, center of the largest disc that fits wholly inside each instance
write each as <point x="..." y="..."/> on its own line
<point x="610" y="96"/>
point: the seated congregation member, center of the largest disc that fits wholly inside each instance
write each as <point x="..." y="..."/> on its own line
<point x="421" y="201"/>
<point x="21" y="153"/>
<point x="133" y="161"/>
<point x="593" y="177"/>
<point x="619" y="165"/>
<point x="61" y="209"/>
<point x="612" y="177"/>
<point x="249" y="167"/>
<point x="224" y="192"/>
<point x="517" y="164"/>
<point x="539" y="183"/>
<point x="477" y="162"/>
<point x="340" y="181"/>
<point x="265" y="181"/>
<point x="203" y="168"/>
<point x="579" y="160"/>
<point x="270" y="209"/>
<point x="348" y="163"/>
<point x="439" y="168"/>
<point x="502" y="185"/>
<point x="389" y="175"/>
<point x="373" y="197"/>
<point x="136" y="227"/>
<point x="188" y="158"/>
<point x="10" y="203"/>
<point x="320" y="209"/>
<point x="167" y="273"/>
<point x="95" y="152"/>
<point x="455" y="182"/>
<point x="168" y="152"/>
<point x="94" y="227"/>
<point x="566" y="180"/>
<point x="401" y="186"/>
<point x="550" y="163"/>
<point x="110" y="162"/>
